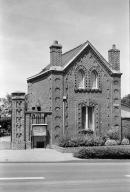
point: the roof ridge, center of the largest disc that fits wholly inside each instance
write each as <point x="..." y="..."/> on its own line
<point x="74" y="48"/>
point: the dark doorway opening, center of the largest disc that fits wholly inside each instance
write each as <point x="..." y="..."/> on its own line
<point x="40" y="144"/>
<point x="38" y="141"/>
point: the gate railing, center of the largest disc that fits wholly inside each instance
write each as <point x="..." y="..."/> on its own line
<point x="33" y="118"/>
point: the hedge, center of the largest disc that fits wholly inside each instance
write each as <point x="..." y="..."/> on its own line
<point x="80" y="140"/>
<point x="104" y="152"/>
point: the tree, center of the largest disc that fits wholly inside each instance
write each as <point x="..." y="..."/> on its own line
<point x="5" y="114"/>
<point x="5" y="106"/>
<point x="126" y="100"/>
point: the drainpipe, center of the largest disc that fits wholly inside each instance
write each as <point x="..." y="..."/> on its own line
<point x="121" y="130"/>
<point x="64" y="99"/>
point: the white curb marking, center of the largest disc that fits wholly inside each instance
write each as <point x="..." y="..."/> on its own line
<point x="21" y="178"/>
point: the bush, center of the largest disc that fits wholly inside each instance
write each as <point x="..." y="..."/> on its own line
<point x="126" y="134"/>
<point x="86" y="132"/>
<point x="125" y="141"/>
<point x="5" y="123"/>
<point x="89" y="141"/>
<point x="77" y="141"/>
<point x="118" y="142"/>
<point x="103" y="152"/>
<point x="113" y="134"/>
<point x="64" y="141"/>
<point x="81" y="140"/>
<point x="110" y="142"/>
<point x="99" y="141"/>
<point x="93" y="141"/>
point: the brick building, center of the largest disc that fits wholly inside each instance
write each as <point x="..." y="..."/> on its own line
<point x="125" y="120"/>
<point x="80" y="90"/>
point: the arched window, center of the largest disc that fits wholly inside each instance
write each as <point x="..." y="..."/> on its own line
<point x="81" y="79"/>
<point x="94" y="79"/>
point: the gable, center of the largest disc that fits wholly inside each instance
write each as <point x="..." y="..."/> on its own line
<point x="89" y="64"/>
<point x="88" y="60"/>
<point x="86" y="47"/>
<point x="69" y="57"/>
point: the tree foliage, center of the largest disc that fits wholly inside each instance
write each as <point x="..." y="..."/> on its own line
<point x="5" y="115"/>
<point x="5" y="106"/>
<point x="126" y="100"/>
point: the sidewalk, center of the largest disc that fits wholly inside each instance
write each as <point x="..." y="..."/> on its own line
<point x="35" y="155"/>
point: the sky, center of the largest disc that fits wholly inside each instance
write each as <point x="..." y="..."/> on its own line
<point x="28" y="28"/>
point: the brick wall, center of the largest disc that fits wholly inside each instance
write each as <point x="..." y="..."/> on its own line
<point x="102" y="97"/>
<point x="39" y="93"/>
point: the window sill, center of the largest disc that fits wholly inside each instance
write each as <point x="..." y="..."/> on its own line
<point x="95" y="90"/>
<point x="88" y="90"/>
<point x="86" y="131"/>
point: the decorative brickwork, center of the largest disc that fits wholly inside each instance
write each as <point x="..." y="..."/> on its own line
<point x="57" y="107"/>
<point x="80" y="67"/>
<point x="18" y="120"/>
<point x="28" y="126"/>
<point x="97" y="69"/>
<point x="116" y="101"/>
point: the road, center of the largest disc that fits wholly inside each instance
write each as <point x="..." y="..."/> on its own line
<point x="91" y="176"/>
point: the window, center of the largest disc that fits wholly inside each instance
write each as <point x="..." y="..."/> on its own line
<point x="94" y="78"/>
<point x="88" y="118"/>
<point x="81" y="79"/>
<point x="84" y="117"/>
<point x="91" y="118"/>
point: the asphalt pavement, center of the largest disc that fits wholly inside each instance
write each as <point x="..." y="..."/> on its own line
<point x="92" y="176"/>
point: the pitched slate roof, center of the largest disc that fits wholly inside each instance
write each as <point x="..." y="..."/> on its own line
<point x="67" y="56"/>
<point x="125" y="111"/>
<point x="70" y="55"/>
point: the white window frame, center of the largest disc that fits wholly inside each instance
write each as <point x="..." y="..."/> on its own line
<point x="81" y="82"/>
<point x="94" y="80"/>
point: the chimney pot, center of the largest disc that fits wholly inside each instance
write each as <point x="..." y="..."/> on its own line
<point x="113" y="46"/>
<point x="55" y="42"/>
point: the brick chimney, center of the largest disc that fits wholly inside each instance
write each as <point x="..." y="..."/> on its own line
<point x="55" y="54"/>
<point x="114" y="58"/>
